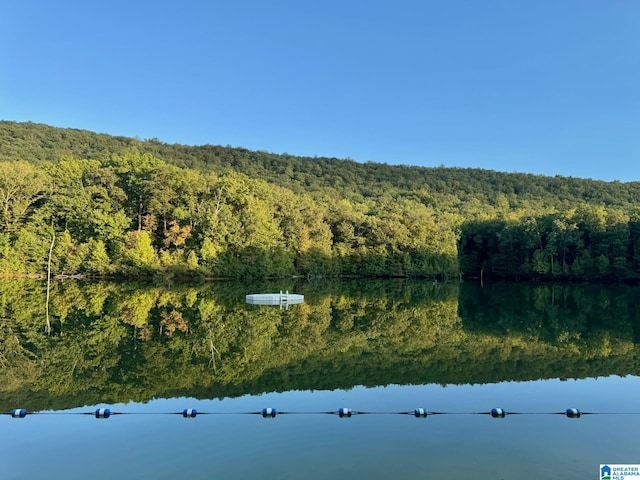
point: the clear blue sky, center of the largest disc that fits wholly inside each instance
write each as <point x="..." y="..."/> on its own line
<point x="538" y="86"/>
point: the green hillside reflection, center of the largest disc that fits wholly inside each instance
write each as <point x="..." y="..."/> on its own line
<point x="124" y="342"/>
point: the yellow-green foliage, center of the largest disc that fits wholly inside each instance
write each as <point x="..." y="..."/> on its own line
<point x="231" y="212"/>
<point x="120" y="342"/>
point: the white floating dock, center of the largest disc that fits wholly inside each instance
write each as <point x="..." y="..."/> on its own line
<point x="283" y="299"/>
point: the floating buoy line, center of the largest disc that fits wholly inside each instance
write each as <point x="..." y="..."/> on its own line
<point x="341" y="412"/>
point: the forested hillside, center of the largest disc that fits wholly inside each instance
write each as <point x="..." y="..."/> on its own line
<point x="115" y="205"/>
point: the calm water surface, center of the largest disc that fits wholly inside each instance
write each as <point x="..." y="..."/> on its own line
<point x="380" y="347"/>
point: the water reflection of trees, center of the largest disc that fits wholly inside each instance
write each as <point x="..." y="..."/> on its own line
<point x="120" y="342"/>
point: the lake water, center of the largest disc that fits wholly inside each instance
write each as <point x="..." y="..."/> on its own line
<point x="380" y="348"/>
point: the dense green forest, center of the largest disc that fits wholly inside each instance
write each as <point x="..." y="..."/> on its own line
<point x="119" y="342"/>
<point x="94" y="204"/>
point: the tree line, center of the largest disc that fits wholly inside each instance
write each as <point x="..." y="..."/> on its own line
<point x="585" y="243"/>
<point x="134" y="214"/>
<point x="122" y="206"/>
